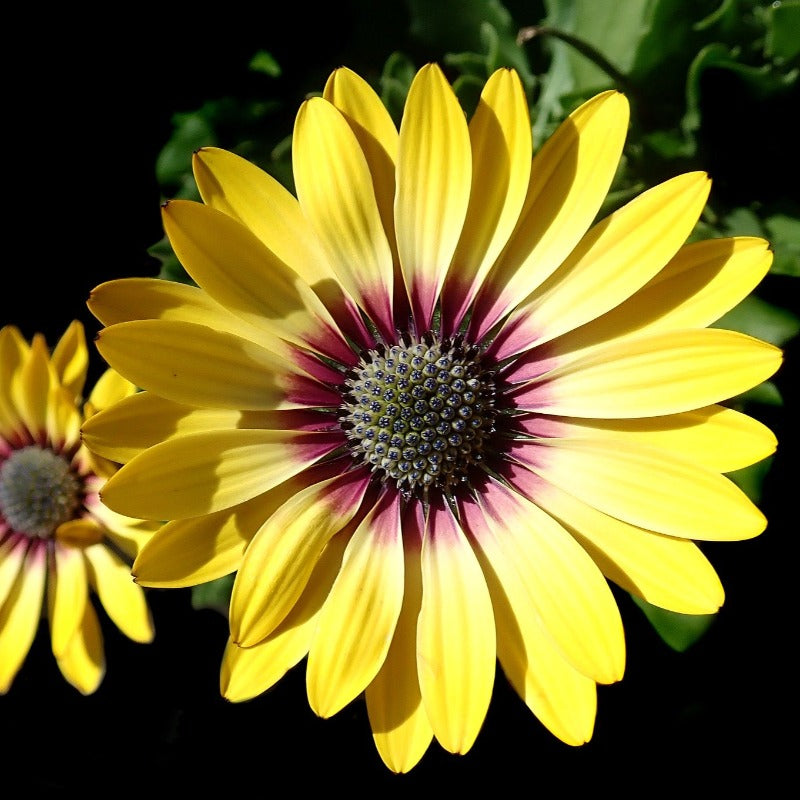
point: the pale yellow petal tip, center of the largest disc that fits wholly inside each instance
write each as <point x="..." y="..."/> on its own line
<point x="399" y="762"/>
<point x="202" y="154"/>
<point x="430" y="71"/>
<point x="340" y="74"/>
<point x="615" y="97"/>
<point x="578" y="739"/>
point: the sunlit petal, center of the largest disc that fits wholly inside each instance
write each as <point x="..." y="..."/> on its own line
<point x="20" y="614"/>
<point x="164" y="481"/>
<point x="145" y="419"/>
<point x="68" y="592"/>
<point x="563" y="699"/>
<point x="456" y="651"/>
<point x="334" y="187"/>
<point x="640" y="484"/>
<point x="703" y="281"/>
<point x="665" y="571"/>
<point x="692" y="369"/>
<point x="232" y="265"/>
<point x="193" y="364"/>
<point x="249" y="671"/>
<point x="400" y="727"/>
<point x="70" y="358"/>
<point x="356" y="624"/>
<point x="610" y="263"/>
<point x="122" y="599"/>
<point x="500" y="133"/>
<point x="718" y="438"/>
<point x="570" y="176"/>
<point x="284" y="551"/>
<point x="571" y="597"/>
<point x="434" y="173"/>
<point x="83" y="661"/>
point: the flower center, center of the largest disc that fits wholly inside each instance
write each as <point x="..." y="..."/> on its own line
<point x="421" y="412"/>
<point x="38" y="491"/>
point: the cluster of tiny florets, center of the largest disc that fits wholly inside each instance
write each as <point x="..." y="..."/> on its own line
<point x="420" y="412"/>
<point x="38" y="491"/>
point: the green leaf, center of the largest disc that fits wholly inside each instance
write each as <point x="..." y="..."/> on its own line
<point x="784" y="234"/>
<point x="629" y="50"/>
<point x="264" y="62"/>
<point x="395" y="81"/>
<point x="751" y="479"/>
<point x="215" y="595"/>
<point x="459" y="26"/>
<point x="171" y="269"/>
<point x="762" y="320"/>
<point x="679" y="631"/>
<point x="191" y="130"/>
<point x="765" y="394"/>
<point x="782" y="41"/>
<point x="742" y="222"/>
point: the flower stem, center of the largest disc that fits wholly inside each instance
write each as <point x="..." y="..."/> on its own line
<point x="584" y="48"/>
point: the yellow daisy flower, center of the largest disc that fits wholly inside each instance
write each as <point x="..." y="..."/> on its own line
<point x="56" y="537"/>
<point x="428" y="409"/>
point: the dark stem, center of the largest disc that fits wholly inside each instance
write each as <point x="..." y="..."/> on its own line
<point x="584" y="48"/>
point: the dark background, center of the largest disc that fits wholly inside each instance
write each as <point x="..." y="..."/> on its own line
<point x="88" y="107"/>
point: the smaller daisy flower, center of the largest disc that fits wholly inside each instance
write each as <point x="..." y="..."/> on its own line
<point x="57" y="540"/>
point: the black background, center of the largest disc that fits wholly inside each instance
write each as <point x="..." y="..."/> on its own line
<point x="88" y="107"/>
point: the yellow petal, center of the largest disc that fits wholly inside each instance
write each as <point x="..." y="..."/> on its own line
<point x="647" y="487"/>
<point x="245" y="192"/>
<point x="193" y="364"/>
<point x="666" y="572"/>
<point x="615" y="258"/>
<point x="400" y="727"/>
<point x="20" y="615"/>
<point x="434" y="172"/>
<point x="357" y="621"/>
<point x="571" y="597"/>
<point x="13" y="352"/>
<point x="122" y="599"/>
<point x="653" y="375"/>
<point x="37" y="380"/>
<point x="145" y="419"/>
<point x="718" y="438"/>
<point x="232" y="265"/>
<point x="249" y="671"/>
<point x="456" y="655"/>
<point x="127" y="533"/>
<point x="251" y="196"/>
<point x="500" y="135"/>
<point x="334" y="187"/>
<point x="78" y="533"/>
<point x="83" y="662"/>
<point x="280" y="559"/>
<point x="702" y="282"/>
<point x="63" y="418"/>
<point x="68" y="591"/>
<point x="376" y="134"/>
<point x="206" y="472"/>
<point x="12" y="557"/>
<point x="110" y="388"/>
<point x="70" y="358"/>
<point x="128" y="299"/>
<point x="561" y="697"/>
<point x="189" y="552"/>
<point x="570" y="177"/>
